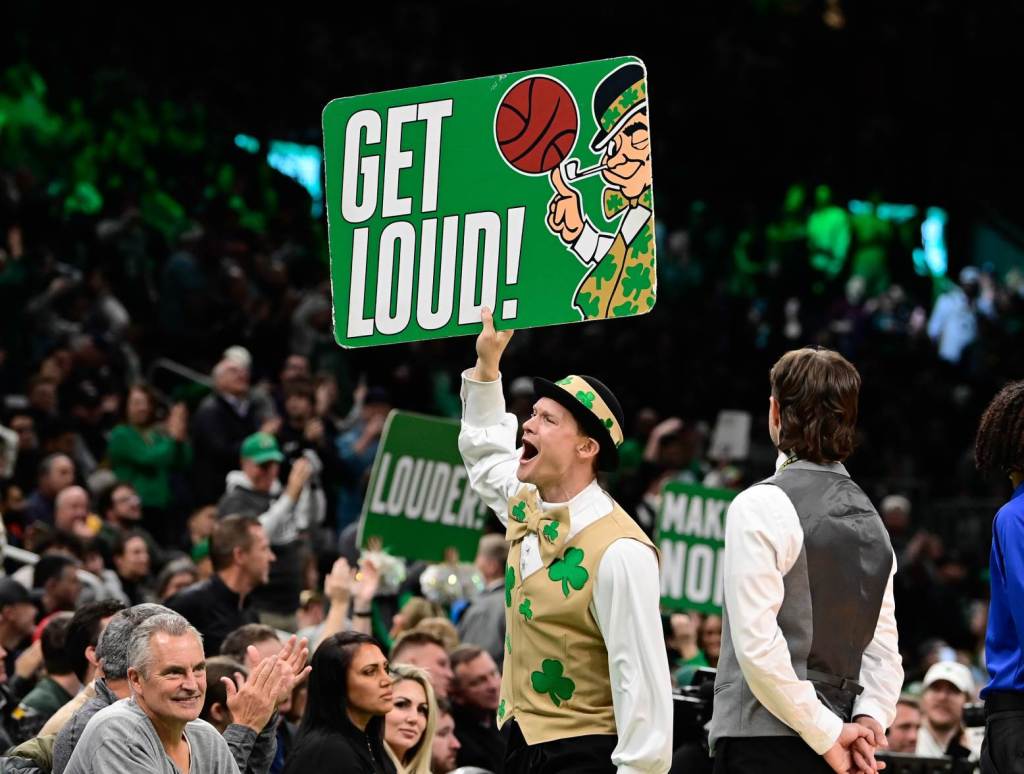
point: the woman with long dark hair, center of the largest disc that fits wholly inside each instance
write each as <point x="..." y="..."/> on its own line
<point x="349" y="695"/>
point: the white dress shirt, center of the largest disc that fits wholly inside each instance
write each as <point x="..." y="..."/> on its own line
<point x="626" y="594"/>
<point x="763" y="540"/>
<point x="592" y="245"/>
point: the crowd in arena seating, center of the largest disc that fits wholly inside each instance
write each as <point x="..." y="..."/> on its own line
<point x="184" y="448"/>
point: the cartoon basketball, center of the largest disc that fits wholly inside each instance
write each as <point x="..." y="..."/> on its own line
<point x="536" y="125"/>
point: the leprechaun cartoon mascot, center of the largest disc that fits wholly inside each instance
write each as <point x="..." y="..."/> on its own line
<point x="622" y="279"/>
<point x="586" y="686"/>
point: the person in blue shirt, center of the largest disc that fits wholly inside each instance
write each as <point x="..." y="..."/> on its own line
<point x="1000" y="449"/>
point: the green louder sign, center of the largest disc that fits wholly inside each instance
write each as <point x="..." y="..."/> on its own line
<point x="691" y="539"/>
<point x="419" y="502"/>
<point x="529" y="193"/>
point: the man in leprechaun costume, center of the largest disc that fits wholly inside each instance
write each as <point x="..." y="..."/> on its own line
<point x="586" y="686"/>
<point x="622" y="278"/>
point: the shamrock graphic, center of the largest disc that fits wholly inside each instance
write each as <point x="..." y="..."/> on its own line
<point x="565" y="381"/>
<point x="629" y="97"/>
<point x="650" y="302"/>
<point x="568" y="570"/>
<point x="641" y="243"/>
<point x="609" y="422"/>
<point x="551" y="531"/>
<point x="590" y="305"/>
<point x="586" y="398"/>
<point x="525" y="610"/>
<point x="612" y="115"/>
<point x="551" y="681"/>
<point x="510" y="581"/>
<point x="638" y="279"/>
<point x="606" y="270"/>
<point x="625" y="309"/>
<point x="614" y="203"/>
<point x="508" y="644"/>
<point x="519" y="511"/>
<point x="646" y="199"/>
<point x="501" y="709"/>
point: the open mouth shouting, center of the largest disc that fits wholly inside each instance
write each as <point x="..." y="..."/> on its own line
<point x="528" y="456"/>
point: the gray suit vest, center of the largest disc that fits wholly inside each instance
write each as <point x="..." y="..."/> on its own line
<point x="833" y="594"/>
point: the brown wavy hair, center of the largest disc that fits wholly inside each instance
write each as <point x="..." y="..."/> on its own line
<point x="999" y="447"/>
<point x="817" y="390"/>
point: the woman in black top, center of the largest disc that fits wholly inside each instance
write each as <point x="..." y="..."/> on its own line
<point x="349" y="695"/>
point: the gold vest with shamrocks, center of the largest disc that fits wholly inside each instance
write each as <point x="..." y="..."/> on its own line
<point x="555" y="681"/>
<point x="624" y="281"/>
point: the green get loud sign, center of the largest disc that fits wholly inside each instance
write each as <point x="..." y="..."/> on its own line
<point x="528" y="193"/>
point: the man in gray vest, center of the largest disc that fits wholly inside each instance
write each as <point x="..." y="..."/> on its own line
<point x="810" y="672"/>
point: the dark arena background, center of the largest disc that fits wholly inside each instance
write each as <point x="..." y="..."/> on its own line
<point x="830" y="172"/>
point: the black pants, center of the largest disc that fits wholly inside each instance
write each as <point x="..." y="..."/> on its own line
<point x="576" y="755"/>
<point x="1003" y="749"/>
<point x="747" y="755"/>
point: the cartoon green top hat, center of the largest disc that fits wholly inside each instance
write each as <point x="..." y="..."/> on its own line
<point x="618" y="98"/>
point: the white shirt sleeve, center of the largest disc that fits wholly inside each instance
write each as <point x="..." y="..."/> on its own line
<point x="881" y="670"/>
<point x="763" y="540"/>
<point x="591" y="245"/>
<point x="487" y="442"/>
<point x="626" y="607"/>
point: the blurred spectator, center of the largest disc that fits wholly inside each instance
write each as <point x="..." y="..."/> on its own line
<point x="285" y="514"/>
<point x="953" y="324"/>
<point x="902" y="734"/>
<point x="71" y="512"/>
<point x="56" y="472"/>
<point x="483" y="623"/>
<point x="144" y="453"/>
<point x="223" y="420"/>
<point x="441" y="628"/>
<point x="131" y="561"/>
<point x="84" y="631"/>
<point x="176" y="575"/>
<point x="895" y="513"/>
<point x="946" y="689"/>
<point x="26" y="468"/>
<point x="476" y="690"/>
<point x="413" y="611"/>
<point x="241" y="561"/>
<point x="56" y="580"/>
<point x="425" y="651"/>
<point x="17" y="620"/>
<point x="357" y="448"/>
<point x="56" y="688"/>
<point x="121" y="509"/>
<point x="446" y="744"/>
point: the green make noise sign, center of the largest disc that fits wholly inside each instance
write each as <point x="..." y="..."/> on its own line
<point x="691" y="539"/>
<point x="528" y="193"/>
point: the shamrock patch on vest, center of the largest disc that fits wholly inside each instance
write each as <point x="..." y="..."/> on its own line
<point x="510" y="581"/>
<point x="568" y="571"/>
<point x="552" y="681"/>
<point x="525" y="610"/>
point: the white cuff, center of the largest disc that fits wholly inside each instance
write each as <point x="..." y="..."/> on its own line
<point x="585" y="245"/>
<point x="871" y="708"/>
<point x="483" y="403"/>
<point x="826" y="730"/>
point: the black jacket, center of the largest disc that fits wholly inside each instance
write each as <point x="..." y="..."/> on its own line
<point x="214" y="610"/>
<point x="217" y="434"/>
<point x="351" y="751"/>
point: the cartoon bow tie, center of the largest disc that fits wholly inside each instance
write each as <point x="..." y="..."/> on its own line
<point x="525" y="516"/>
<point x="615" y="202"/>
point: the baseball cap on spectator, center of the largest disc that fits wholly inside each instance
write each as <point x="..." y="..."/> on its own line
<point x="13" y="593"/>
<point x="260" y="448"/>
<point x="952" y="672"/>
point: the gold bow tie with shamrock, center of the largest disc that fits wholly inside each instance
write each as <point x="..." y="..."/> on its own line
<point x="615" y="202"/>
<point x="525" y="516"/>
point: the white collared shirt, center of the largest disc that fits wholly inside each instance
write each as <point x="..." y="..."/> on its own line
<point x="763" y="540"/>
<point x="626" y="593"/>
<point x="592" y="245"/>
